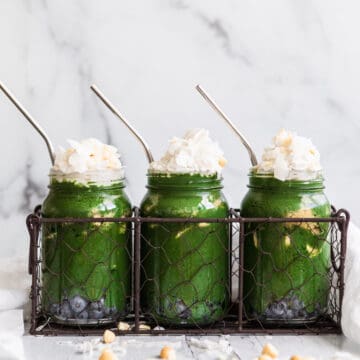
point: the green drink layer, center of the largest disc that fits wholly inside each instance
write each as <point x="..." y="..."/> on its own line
<point x="86" y="268"/>
<point x="185" y="266"/>
<point x="286" y="277"/>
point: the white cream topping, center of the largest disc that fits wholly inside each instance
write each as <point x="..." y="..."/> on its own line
<point x="195" y="153"/>
<point x="87" y="161"/>
<point x="291" y="157"/>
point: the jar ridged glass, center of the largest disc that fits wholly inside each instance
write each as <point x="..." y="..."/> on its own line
<point x="86" y="267"/>
<point x="286" y="277"/>
<point x="185" y="266"/>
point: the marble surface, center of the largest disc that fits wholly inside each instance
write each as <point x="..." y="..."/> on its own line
<point x="326" y="347"/>
<point x="270" y="64"/>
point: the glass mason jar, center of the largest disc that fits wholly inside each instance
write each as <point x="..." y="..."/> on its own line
<point x="185" y="266"/>
<point x="86" y="267"/>
<point x="286" y="277"/>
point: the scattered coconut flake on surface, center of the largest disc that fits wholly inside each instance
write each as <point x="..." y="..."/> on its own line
<point x="159" y="328"/>
<point x="123" y="326"/>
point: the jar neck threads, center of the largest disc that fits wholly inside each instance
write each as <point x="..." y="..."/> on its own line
<point x="184" y="182"/>
<point x="269" y="182"/>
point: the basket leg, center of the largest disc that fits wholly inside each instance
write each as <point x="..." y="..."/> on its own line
<point x="33" y="225"/>
<point x="241" y="272"/>
<point x="343" y="226"/>
<point x="137" y="265"/>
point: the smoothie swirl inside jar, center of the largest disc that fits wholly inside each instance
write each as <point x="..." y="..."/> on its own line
<point x="86" y="270"/>
<point x="185" y="266"/>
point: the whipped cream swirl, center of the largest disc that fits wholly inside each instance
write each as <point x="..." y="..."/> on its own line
<point x="87" y="161"/>
<point x="195" y="153"/>
<point x="290" y="157"/>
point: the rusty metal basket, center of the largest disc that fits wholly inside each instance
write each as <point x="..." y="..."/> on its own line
<point x="237" y="319"/>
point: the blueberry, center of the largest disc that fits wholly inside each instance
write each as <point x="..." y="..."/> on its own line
<point x="65" y="309"/>
<point x="54" y="309"/>
<point x="96" y="314"/>
<point x="295" y="304"/>
<point x="180" y="305"/>
<point x="78" y="304"/>
<point x="289" y="314"/>
<point x="110" y="311"/>
<point x="181" y="308"/>
<point x="279" y="308"/>
<point x="97" y="305"/>
<point x="83" y="315"/>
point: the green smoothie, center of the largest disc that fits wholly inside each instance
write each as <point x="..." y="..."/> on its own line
<point x="86" y="267"/>
<point x="286" y="265"/>
<point x="185" y="266"/>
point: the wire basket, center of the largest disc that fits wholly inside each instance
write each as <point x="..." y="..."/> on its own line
<point x="241" y="287"/>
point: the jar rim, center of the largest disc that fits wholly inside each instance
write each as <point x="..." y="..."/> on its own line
<point x="184" y="181"/>
<point x="72" y="184"/>
<point x="89" y="178"/>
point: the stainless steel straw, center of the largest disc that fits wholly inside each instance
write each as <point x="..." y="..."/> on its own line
<point x="122" y="118"/>
<point x="31" y="120"/>
<point x="230" y="123"/>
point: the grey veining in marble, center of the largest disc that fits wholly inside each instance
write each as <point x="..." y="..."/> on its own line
<point x="326" y="347"/>
<point x="269" y="64"/>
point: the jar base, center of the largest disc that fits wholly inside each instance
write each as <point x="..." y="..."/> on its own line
<point x="289" y="322"/>
<point x="83" y="322"/>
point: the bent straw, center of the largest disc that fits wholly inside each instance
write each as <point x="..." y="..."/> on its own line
<point x="122" y="118"/>
<point x="230" y="123"/>
<point x="31" y="120"/>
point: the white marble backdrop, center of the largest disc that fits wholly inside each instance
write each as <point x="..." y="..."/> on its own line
<point x="270" y="64"/>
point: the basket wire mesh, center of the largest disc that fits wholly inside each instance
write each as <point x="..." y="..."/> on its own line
<point x="235" y="290"/>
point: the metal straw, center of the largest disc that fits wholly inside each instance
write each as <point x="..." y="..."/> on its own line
<point x="122" y="118"/>
<point x="31" y="120"/>
<point x="230" y="123"/>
